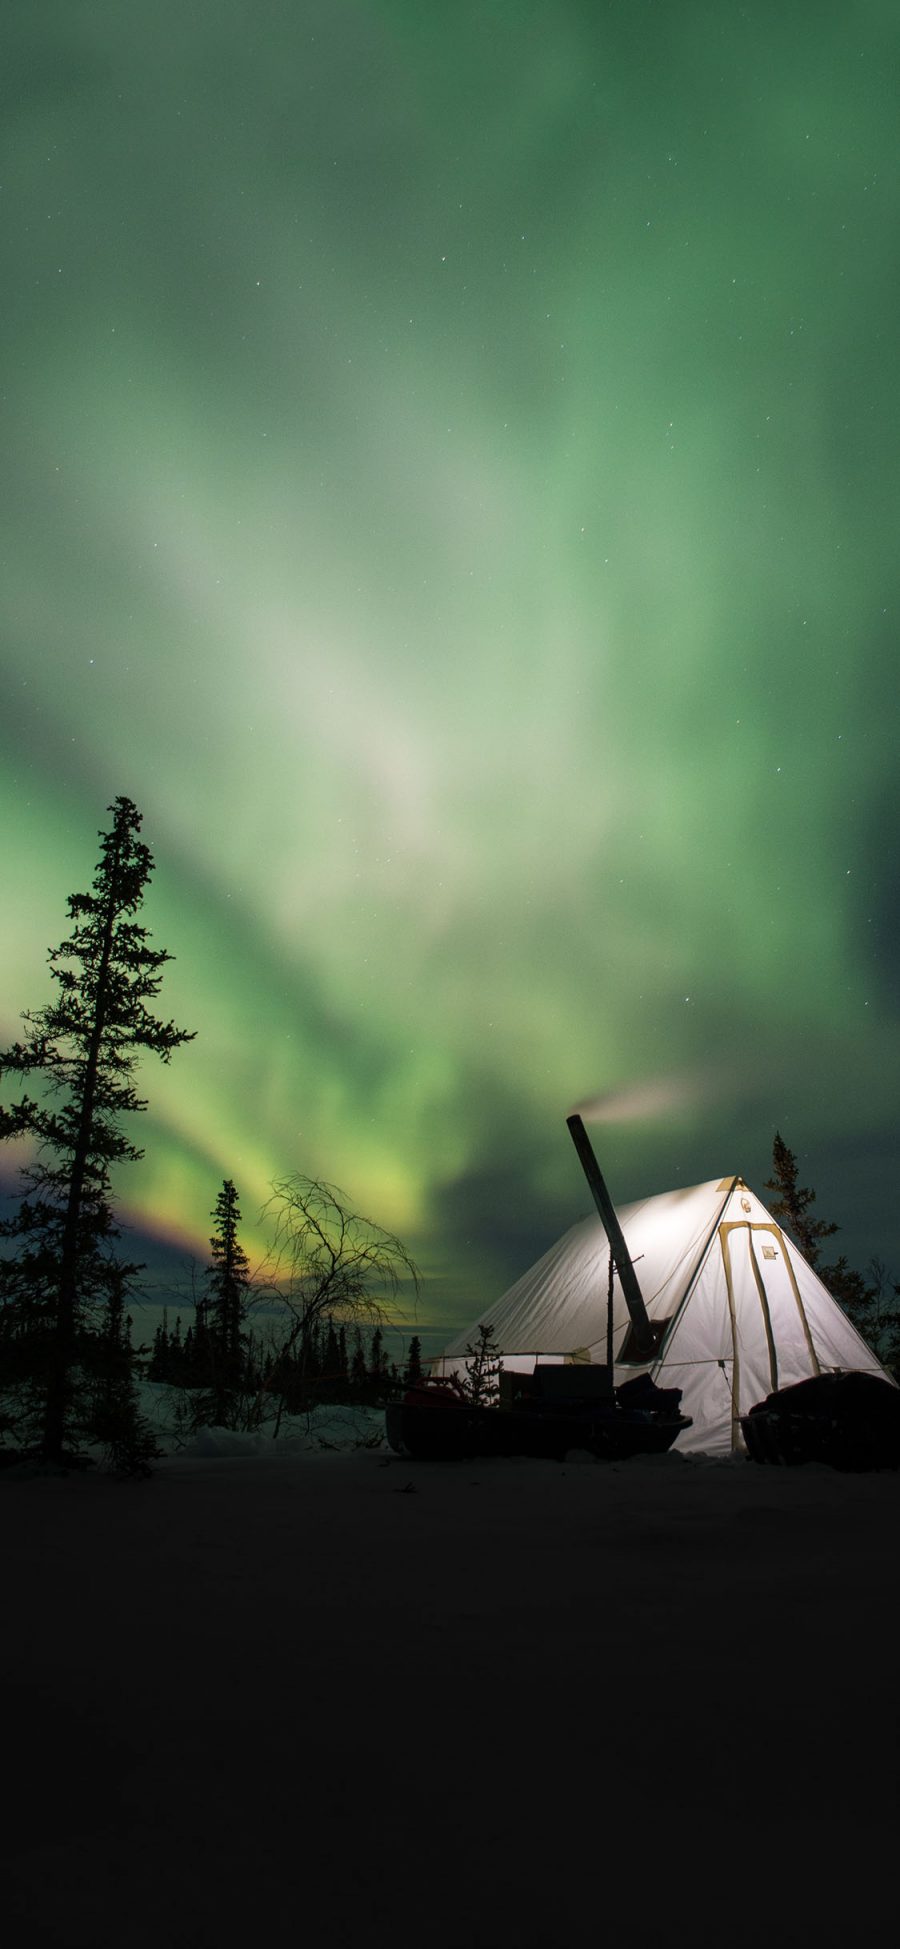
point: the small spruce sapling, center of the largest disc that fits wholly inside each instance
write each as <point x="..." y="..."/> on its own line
<point x="483" y="1370"/>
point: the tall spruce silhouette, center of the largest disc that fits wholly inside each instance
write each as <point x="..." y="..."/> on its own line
<point x="864" y="1298"/>
<point x="225" y="1305"/>
<point x="62" y="1286"/>
<point x="792" y="1202"/>
<point x="412" y="1372"/>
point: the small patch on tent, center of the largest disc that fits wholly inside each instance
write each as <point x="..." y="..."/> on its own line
<point x="769" y="1252"/>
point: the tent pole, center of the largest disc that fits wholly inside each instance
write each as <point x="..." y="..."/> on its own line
<point x="609" y="1319"/>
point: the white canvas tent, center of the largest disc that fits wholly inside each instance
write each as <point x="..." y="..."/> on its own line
<point x="743" y="1311"/>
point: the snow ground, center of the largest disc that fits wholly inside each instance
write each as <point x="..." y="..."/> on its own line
<point x="331" y="1426"/>
<point x="339" y="1698"/>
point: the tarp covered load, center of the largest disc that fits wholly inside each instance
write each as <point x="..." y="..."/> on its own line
<point x="738" y="1311"/>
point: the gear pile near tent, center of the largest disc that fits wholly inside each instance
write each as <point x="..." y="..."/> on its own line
<point x="735" y="1310"/>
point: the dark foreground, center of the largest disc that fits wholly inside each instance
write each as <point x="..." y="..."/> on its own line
<point x="353" y="1700"/>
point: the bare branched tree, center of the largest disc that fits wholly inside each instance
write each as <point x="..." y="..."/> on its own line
<point x="327" y="1262"/>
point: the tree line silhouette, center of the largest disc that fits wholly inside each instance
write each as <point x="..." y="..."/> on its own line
<point x="333" y="1366"/>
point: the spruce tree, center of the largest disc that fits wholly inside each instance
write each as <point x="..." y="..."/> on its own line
<point x="483" y="1369"/>
<point x="359" y="1376"/>
<point x="856" y="1294"/>
<point x="331" y="1375"/>
<point x="176" y="1355"/>
<point x="413" y="1371"/>
<point x="792" y="1202"/>
<point x="159" y="1362"/>
<point x="62" y="1277"/>
<point x="378" y="1363"/>
<point x="115" y="1417"/>
<point x="220" y="1317"/>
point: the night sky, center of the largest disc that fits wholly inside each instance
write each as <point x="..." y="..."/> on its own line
<point x="451" y="484"/>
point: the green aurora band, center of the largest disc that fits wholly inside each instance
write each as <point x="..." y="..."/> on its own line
<point x="451" y="485"/>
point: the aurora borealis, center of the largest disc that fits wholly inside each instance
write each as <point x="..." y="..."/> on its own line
<point x="451" y="485"/>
